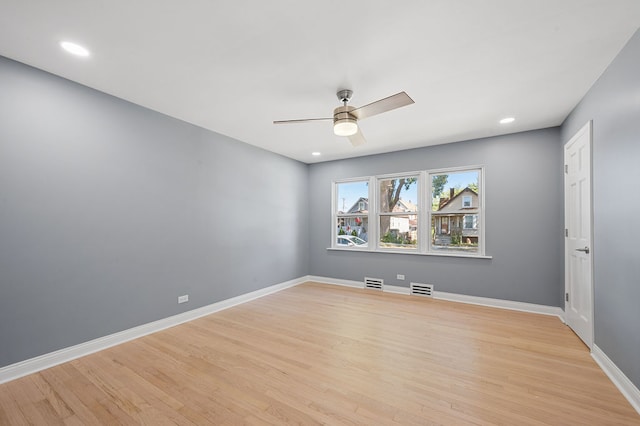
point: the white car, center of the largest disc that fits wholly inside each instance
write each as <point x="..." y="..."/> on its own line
<point x="350" y="241"/>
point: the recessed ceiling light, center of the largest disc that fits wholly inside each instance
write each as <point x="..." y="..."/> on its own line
<point x="74" y="48"/>
<point x="507" y="120"/>
<point x="315" y="154"/>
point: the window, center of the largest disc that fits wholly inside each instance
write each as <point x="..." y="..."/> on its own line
<point x="429" y="212"/>
<point x="455" y="212"/>
<point x="471" y="221"/>
<point x="352" y="215"/>
<point x="398" y="212"/>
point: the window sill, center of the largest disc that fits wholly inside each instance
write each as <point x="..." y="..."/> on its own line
<point x="415" y="253"/>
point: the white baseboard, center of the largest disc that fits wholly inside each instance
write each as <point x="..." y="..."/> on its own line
<point x="33" y="365"/>
<point x="500" y="303"/>
<point x="395" y="289"/>
<point x="622" y="382"/>
<point x="453" y="297"/>
<point x="357" y="284"/>
<point x="336" y="281"/>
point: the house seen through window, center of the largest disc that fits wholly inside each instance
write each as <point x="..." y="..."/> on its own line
<point x="455" y="208"/>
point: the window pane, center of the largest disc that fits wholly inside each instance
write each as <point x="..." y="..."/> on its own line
<point x="399" y="195"/>
<point x="399" y="231"/>
<point x="352" y="231"/>
<point x="471" y="222"/>
<point x="353" y="197"/>
<point x="455" y="209"/>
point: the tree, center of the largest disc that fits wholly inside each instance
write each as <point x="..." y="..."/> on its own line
<point x="437" y="187"/>
<point x="437" y="184"/>
<point x="390" y="192"/>
<point x="389" y="196"/>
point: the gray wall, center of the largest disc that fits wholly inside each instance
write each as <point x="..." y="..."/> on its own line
<point x="524" y="220"/>
<point x="613" y="103"/>
<point x="109" y="211"/>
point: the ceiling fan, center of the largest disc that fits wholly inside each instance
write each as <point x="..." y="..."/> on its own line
<point x="345" y="118"/>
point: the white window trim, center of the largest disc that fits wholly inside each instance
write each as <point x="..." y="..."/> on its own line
<point x="424" y="214"/>
<point x="467" y="197"/>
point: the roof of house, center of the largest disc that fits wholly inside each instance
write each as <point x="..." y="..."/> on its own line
<point x="407" y="206"/>
<point x="354" y="208"/>
<point x="446" y="202"/>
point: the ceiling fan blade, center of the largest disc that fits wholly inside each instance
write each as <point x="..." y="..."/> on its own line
<point x="302" y="120"/>
<point x="357" y="139"/>
<point x="383" y="105"/>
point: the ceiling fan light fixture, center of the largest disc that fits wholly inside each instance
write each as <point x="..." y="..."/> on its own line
<point x="345" y="127"/>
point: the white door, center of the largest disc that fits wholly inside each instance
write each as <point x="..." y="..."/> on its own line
<point x="578" y="251"/>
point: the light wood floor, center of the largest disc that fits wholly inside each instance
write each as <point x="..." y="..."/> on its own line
<point x="319" y="354"/>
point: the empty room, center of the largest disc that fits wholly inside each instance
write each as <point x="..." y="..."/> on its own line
<point x="340" y="213"/>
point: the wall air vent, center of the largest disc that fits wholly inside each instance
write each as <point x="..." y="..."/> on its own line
<point x="373" y="283"/>
<point x="418" y="289"/>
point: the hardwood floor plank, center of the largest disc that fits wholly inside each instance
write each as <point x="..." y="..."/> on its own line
<point x="55" y="400"/>
<point x="320" y="354"/>
<point x="10" y="412"/>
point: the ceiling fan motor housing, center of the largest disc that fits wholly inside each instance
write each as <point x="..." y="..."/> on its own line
<point x="343" y="113"/>
<point x="344" y="123"/>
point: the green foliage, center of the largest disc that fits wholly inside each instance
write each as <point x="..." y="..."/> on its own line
<point x="341" y="232"/>
<point x="456" y="237"/>
<point x="354" y="233"/>
<point x="395" y="238"/>
<point x="437" y="184"/>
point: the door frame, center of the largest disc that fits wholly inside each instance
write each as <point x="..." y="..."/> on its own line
<point x="588" y="128"/>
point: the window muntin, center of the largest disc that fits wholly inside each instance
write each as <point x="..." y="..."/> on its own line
<point x="466" y="201"/>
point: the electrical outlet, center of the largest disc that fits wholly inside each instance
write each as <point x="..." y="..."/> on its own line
<point x="400" y="277"/>
<point x="183" y="299"/>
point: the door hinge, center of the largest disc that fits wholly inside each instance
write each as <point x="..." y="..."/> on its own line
<point x="566" y="168"/>
<point x="566" y="232"/>
<point x="566" y="297"/>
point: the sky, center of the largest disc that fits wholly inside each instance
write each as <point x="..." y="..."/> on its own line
<point x="350" y="192"/>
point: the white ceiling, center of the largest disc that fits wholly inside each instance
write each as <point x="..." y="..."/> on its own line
<point x="234" y="67"/>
